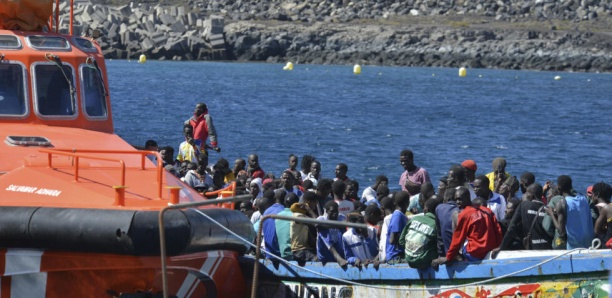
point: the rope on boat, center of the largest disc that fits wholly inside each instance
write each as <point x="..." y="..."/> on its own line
<point x="249" y="243"/>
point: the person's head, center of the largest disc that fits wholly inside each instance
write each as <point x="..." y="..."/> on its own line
<point x="407" y="159"/>
<point x="239" y="164"/>
<point x="380" y="179"/>
<point x="167" y="154"/>
<point x="373" y="214"/>
<point x="188" y="131"/>
<point x="430" y="205"/>
<point x="246" y="207"/>
<point x="449" y="196"/>
<point x="352" y="187"/>
<point x="602" y="191"/>
<point x="338" y="188"/>
<point x="402" y="200"/>
<point x="341" y="170"/>
<point x="442" y="186"/>
<point x="462" y="196"/>
<point x="470" y="168"/>
<point x="387" y="204"/>
<point x="427" y="190"/>
<point x="292" y="162"/>
<point x="266" y="201"/>
<point x="307" y="184"/>
<point x="253" y="161"/>
<point x="306" y="163"/>
<point x="526" y="179"/>
<point x="356" y="217"/>
<point x="481" y="187"/>
<point x="509" y="188"/>
<point x="315" y="168"/>
<point x="552" y="192"/>
<point x="534" y="192"/>
<point x="255" y="187"/>
<point x="202" y="163"/>
<point x="331" y="208"/>
<point x="511" y="208"/>
<point x="311" y="199"/>
<point x="200" y="109"/>
<point x="185" y="168"/>
<point x="192" y="166"/>
<point x="382" y="191"/>
<point x="287" y="179"/>
<point x="151" y="145"/>
<point x="499" y="165"/>
<point x="456" y="176"/>
<point x="324" y="188"/>
<point x="564" y="182"/>
<point x="279" y="196"/>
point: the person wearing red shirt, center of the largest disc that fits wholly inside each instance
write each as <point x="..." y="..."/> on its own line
<point x="203" y="127"/>
<point x="476" y="234"/>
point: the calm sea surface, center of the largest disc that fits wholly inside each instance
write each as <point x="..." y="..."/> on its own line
<point x="539" y="124"/>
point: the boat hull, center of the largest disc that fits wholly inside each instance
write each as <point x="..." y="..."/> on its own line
<point x="580" y="273"/>
<point x="34" y="273"/>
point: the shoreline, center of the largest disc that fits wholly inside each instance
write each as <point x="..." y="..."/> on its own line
<point x="454" y="39"/>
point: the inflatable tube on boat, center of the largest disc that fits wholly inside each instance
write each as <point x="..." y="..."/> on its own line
<point x="127" y="232"/>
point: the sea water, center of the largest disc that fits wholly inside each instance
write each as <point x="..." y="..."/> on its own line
<point x="538" y="123"/>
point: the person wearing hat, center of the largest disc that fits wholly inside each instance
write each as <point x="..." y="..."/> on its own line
<point x="203" y="127"/>
<point x="470" y="170"/>
<point x="499" y="174"/>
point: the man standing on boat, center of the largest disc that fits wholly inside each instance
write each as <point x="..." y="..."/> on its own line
<point x="203" y="127"/>
<point x="413" y="176"/>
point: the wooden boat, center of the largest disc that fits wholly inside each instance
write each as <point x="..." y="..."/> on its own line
<point x="576" y="273"/>
<point x="79" y="206"/>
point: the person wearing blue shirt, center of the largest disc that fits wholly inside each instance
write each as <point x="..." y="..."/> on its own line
<point x="393" y="250"/>
<point x="329" y="240"/>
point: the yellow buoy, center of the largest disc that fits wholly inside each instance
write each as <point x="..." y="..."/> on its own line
<point x="142" y="59"/>
<point x="357" y="69"/>
<point x="288" y="66"/>
<point x="557" y="78"/>
<point x="462" y="72"/>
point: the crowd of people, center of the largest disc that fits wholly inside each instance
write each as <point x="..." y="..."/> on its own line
<point x="465" y="217"/>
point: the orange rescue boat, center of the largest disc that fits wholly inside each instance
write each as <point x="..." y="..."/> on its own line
<point x="79" y="206"/>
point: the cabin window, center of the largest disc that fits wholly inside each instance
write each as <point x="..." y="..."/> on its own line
<point x="39" y="42"/>
<point x="9" y="42"/>
<point x="92" y="92"/>
<point x="12" y="90"/>
<point x="85" y="44"/>
<point x="53" y="96"/>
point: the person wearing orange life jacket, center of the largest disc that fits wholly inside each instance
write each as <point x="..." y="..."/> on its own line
<point x="203" y="127"/>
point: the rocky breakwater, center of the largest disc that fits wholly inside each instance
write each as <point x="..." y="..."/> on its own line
<point x="172" y="32"/>
<point x="409" y="45"/>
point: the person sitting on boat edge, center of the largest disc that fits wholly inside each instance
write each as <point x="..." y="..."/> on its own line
<point x="329" y="240"/>
<point x="304" y="236"/>
<point x="393" y="251"/>
<point x="527" y="223"/>
<point x="476" y="234"/>
<point x="360" y="245"/>
<point x="413" y="175"/>
<point x="511" y="207"/>
<point x="203" y="127"/>
<point x="420" y="236"/>
<point x="571" y="216"/>
<point x="200" y="179"/>
<point x="387" y="205"/>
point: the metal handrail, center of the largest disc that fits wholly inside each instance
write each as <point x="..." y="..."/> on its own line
<point x="162" y="232"/>
<point x="75" y="153"/>
<point x="311" y="221"/>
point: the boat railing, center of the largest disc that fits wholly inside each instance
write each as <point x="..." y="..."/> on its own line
<point x="309" y="221"/>
<point x="162" y="232"/>
<point x="227" y="192"/>
<point x="79" y="154"/>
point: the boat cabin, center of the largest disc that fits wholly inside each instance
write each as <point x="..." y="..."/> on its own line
<point x="54" y="80"/>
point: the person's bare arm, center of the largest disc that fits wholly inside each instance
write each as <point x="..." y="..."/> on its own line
<point x="341" y="261"/>
<point x="601" y="221"/>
